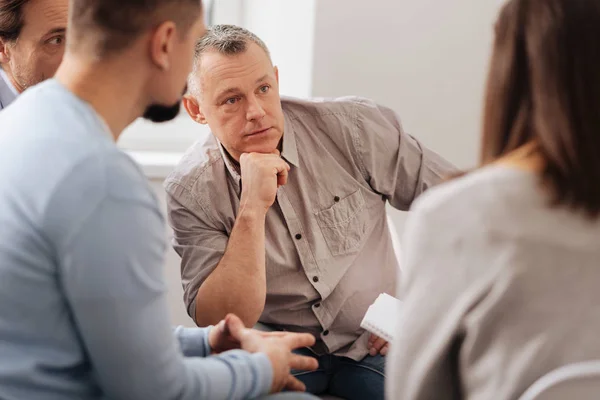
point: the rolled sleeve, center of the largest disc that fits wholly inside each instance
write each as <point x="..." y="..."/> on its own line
<point x="394" y="163"/>
<point x="199" y="244"/>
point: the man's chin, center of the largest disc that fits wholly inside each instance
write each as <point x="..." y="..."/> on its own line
<point x="266" y="142"/>
<point x="261" y="149"/>
<point x="159" y="113"/>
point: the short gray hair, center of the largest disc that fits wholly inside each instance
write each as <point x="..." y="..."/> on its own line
<point x="223" y="39"/>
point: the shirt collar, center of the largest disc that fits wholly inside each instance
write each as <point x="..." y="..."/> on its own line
<point x="7" y="91"/>
<point x="232" y="166"/>
<point x="289" y="151"/>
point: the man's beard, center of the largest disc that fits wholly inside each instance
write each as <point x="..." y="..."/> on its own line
<point x="160" y="113"/>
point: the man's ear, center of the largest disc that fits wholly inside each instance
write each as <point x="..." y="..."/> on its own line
<point x="276" y="73"/>
<point x="193" y="109"/>
<point x="4" y="52"/>
<point x="162" y="44"/>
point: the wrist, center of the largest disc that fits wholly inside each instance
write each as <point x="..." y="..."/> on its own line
<point x="252" y="212"/>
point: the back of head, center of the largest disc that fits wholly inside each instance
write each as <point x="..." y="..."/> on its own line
<point x="115" y="24"/>
<point x="544" y="87"/>
<point x="144" y="45"/>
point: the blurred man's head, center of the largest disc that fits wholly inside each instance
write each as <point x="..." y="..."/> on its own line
<point x="32" y="39"/>
<point x="153" y="39"/>
<point x="234" y="88"/>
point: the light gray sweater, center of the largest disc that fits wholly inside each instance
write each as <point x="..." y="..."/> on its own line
<point x="83" y="307"/>
<point x="499" y="289"/>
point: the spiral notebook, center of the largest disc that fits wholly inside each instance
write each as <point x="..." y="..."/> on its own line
<point x="381" y="317"/>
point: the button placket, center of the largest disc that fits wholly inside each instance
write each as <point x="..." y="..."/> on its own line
<point x="295" y="228"/>
<point x="306" y="256"/>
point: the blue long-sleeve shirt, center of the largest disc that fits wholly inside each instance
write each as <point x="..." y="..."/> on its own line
<point x="83" y="308"/>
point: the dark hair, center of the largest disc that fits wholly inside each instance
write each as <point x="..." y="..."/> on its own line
<point x="120" y="22"/>
<point x="544" y="88"/>
<point x="11" y="19"/>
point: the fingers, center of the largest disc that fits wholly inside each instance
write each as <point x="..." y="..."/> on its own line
<point x="282" y="174"/>
<point x="281" y="180"/>
<point x="294" y="385"/>
<point x="372" y="340"/>
<point x="221" y="329"/>
<point x="215" y="333"/>
<point x="377" y="345"/>
<point x="385" y="349"/>
<point x="297" y="340"/>
<point x="278" y="334"/>
<point x="272" y="160"/>
<point x="303" y="363"/>
<point x="234" y="326"/>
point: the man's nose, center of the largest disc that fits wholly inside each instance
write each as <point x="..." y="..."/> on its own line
<point x="255" y="110"/>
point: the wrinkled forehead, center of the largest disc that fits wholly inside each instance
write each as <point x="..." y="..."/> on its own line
<point x="218" y="72"/>
<point x="42" y="16"/>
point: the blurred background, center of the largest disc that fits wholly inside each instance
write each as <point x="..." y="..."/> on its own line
<point x="426" y="59"/>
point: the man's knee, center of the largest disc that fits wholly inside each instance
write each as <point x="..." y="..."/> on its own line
<point x="376" y="363"/>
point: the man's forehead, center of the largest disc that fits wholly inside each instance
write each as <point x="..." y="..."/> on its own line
<point x="46" y="14"/>
<point x="219" y="71"/>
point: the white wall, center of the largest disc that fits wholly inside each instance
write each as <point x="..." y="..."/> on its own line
<point x="426" y="59"/>
<point x="287" y="28"/>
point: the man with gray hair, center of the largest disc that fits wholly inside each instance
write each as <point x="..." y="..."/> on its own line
<point x="282" y="219"/>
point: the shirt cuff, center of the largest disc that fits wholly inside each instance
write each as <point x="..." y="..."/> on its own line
<point x="193" y="342"/>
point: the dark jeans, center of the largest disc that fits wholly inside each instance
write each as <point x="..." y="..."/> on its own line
<point x="344" y="377"/>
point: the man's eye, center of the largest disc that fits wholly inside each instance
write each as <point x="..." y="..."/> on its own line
<point x="265" y="89"/>
<point x="57" y="40"/>
<point x="232" y="100"/>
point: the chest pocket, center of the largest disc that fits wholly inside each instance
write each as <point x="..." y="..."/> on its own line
<point x="344" y="224"/>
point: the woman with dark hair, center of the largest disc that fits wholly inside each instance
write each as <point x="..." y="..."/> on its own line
<point x="502" y="265"/>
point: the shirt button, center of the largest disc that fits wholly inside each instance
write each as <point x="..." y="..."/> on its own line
<point x="315" y="279"/>
<point x="336" y="199"/>
<point x="325" y="332"/>
<point x="298" y="236"/>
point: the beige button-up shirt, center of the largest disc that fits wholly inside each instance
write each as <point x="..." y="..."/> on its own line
<point x="329" y="252"/>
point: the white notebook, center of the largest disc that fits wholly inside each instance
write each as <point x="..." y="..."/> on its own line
<point x="381" y="317"/>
